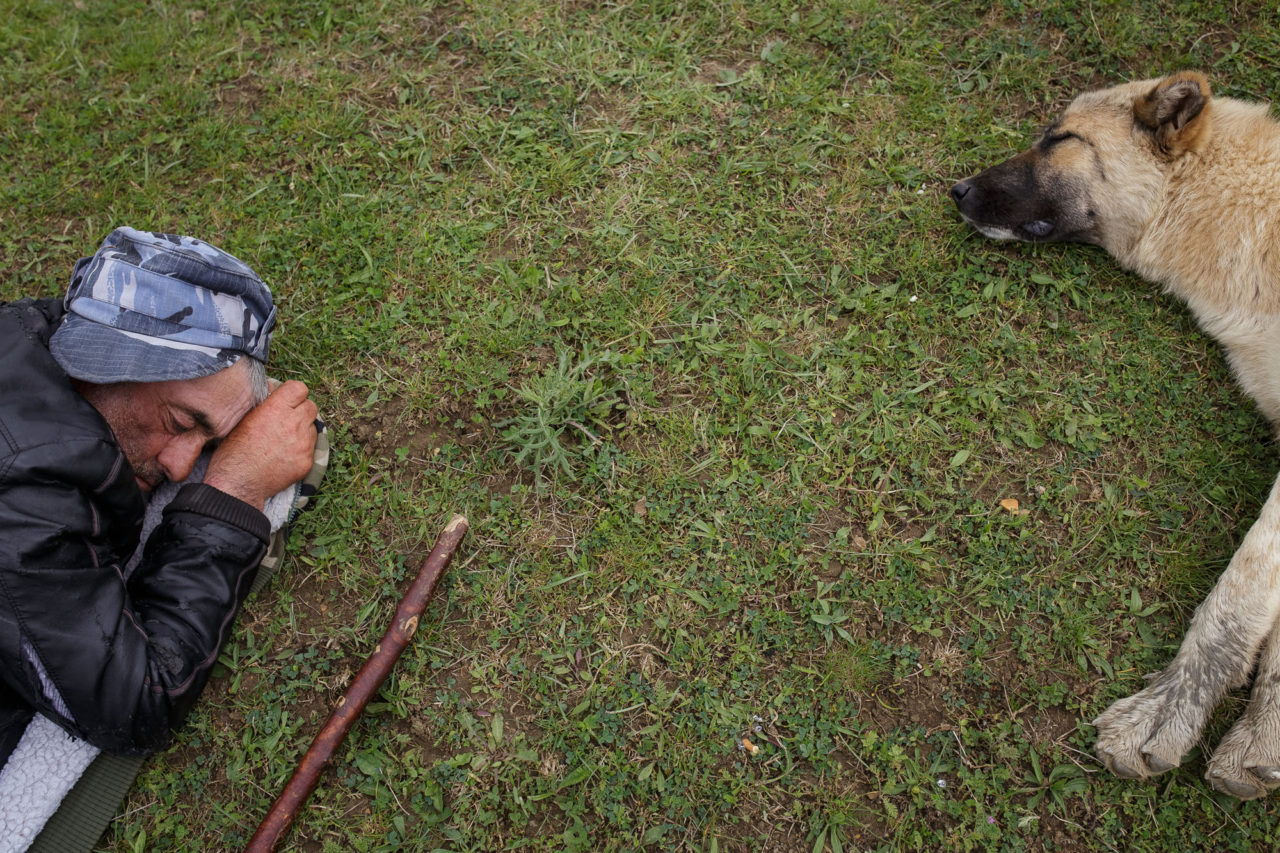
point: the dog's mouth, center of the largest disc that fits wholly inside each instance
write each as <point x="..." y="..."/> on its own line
<point x="1034" y="231"/>
<point x="972" y="202"/>
<point x="1038" y="229"/>
<point x="1003" y="214"/>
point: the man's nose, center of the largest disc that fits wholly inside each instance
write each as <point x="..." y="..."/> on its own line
<point x="179" y="456"/>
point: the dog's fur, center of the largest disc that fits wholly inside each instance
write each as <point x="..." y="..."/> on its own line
<point x="1183" y="189"/>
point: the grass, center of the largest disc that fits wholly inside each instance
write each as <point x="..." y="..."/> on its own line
<point x="668" y="298"/>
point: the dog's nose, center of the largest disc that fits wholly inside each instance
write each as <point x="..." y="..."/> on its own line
<point x="959" y="191"/>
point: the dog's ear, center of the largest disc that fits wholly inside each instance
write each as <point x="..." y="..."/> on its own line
<point x="1174" y="111"/>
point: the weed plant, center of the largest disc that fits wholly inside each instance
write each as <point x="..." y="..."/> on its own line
<point x="564" y="412"/>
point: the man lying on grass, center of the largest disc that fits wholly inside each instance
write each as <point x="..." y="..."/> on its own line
<point x="156" y="356"/>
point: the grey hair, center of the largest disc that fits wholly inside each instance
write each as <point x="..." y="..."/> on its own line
<point x="257" y="379"/>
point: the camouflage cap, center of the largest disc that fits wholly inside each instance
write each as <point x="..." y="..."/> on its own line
<point x="151" y="307"/>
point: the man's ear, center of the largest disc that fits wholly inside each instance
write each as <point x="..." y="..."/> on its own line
<point x="1174" y="111"/>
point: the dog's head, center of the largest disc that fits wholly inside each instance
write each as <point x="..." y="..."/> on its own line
<point x="1095" y="174"/>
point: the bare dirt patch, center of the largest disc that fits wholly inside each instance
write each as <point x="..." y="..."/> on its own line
<point x="242" y="96"/>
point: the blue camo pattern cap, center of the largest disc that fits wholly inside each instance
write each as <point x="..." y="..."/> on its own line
<point x="151" y="307"/>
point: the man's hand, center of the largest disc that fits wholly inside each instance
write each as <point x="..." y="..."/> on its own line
<point x="271" y="448"/>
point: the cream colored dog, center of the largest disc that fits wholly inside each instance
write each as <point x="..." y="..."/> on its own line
<point x="1183" y="189"/>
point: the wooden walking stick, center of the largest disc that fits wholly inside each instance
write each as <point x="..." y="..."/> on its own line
<point x="375" y="670"/>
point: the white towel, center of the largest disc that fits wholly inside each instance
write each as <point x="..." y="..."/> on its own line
<point x="41" y="770"/>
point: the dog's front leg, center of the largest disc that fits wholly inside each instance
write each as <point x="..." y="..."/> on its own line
<point x="1247" y="762"/>
<point x="1150" y="732"/>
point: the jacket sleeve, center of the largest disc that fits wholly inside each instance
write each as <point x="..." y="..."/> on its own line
<point x="119" y="664"/>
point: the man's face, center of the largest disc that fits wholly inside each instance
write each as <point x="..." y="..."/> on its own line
<point x="163" y="426"/>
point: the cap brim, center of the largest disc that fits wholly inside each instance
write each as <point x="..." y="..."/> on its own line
<point x="96" y="353"/>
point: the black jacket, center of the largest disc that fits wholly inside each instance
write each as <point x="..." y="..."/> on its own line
<point x="116" y="663"/>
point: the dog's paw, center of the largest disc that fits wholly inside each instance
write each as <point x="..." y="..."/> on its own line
<point x="1149" y="732"/>
<point x="1247" y="762"/>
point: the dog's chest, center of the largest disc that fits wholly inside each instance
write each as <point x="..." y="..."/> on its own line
<point x="1252" y="345"/>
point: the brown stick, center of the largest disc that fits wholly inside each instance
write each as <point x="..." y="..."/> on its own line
<point x="375" y="670"/>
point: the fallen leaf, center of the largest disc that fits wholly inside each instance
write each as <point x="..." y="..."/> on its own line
<point x="1011" y="504"/>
